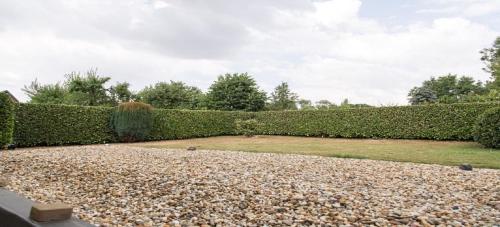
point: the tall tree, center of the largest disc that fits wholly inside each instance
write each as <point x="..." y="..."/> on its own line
<point x="282" y="98"/>
<point x="120" y="93"/>
<point x="235" y="92"/>
<point x="46" y="93"/>
<point x="88" y="89"/>
<point x="422" y="95"/>
<point x="305" y="104"/>
<point x="491" y="58"/>
<point x="447" y="89"/>
<point x="324" y="104"/>
<point x="173" y="95"/>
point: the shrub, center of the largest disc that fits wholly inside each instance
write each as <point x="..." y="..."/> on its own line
<point x="247" y="127"/>
<point x="487" y="128"/>
<point x="436" y="122"/>
<point x="47" y="124"/>
<point x="132" y="121"/>
<point x="39" y="124"/>
<point x="183" y="124"/>
<point x="6" y="119"/>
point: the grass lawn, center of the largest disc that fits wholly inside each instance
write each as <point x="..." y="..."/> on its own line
<point x="419" y="151"/>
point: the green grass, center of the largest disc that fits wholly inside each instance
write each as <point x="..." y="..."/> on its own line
<point x="417" y="151"/>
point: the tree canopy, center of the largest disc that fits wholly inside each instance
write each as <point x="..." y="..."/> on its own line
<point x="173" y="95"/>
<point x="235" y="92"/>
<point x="79" y="89"/>
<point x="446" y="89"/>
<point x="282" y="98"/>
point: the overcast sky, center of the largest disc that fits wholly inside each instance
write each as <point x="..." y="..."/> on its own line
<point x="370" y="51"/>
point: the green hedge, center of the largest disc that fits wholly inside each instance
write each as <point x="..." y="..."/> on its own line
<point x="6" y="119"/>
<point x="183" y="124"/>
<point x="437" y="122"/>
<point x="38" y="124"/>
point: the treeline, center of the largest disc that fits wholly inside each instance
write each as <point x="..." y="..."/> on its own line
<point x="462" y="89"/>
<point x="237" y="91"/>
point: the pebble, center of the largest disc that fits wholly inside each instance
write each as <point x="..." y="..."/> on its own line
<point x="127" y="185"/>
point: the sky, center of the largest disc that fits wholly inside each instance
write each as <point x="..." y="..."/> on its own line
<point x="368" y="51"/>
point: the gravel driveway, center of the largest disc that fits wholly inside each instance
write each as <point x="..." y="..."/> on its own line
<point x="126" y="186"/>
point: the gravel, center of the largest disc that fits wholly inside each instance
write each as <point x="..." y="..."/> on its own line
<point x="121" y="185"/>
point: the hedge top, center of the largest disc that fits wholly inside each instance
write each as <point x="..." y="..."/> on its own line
<point x="40" y="124"/>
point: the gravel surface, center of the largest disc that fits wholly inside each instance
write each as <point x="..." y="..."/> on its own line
<point x="120" y="185"/>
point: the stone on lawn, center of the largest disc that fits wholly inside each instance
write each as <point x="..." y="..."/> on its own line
<point x="191" y="148"/>
<point x="466" y="167"/>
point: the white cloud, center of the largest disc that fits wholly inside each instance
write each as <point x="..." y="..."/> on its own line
<point x="325" y="49"/>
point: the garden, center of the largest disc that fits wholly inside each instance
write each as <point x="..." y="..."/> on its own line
<point x="130" y="165"/>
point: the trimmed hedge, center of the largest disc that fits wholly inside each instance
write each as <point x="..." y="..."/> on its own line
<point x="184" y="124"/>
<point x="437" y="122"/>
<point x="487" y="128"/>
<point x="6" y="119"/>
<point x="38" y="124"/>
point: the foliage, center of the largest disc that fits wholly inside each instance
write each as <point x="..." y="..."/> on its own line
<point x="491" y="58"/>
<point x="78" y="89"/>
<point x="40" y="124"/>
<point x="88" y="89"/>
<point x="247" y="128"/>
<point x="235" y="92"/>
<point x="446" y="89"/>
<point x="6" y="119"/>
<point x="48" y="93"/>
<point x="305" y="104"/>
<point x="282" y="98"/>
<point x="132" y="121"/>
<point x="487" y="128"/>
<point x="183" y="124"/>
<point x="324" y="105"/>
<point x="173" y="95"/>
<point x="422" y="95"/>
<point x="47" y="124"/>
<point x="437" y="122"/>
<point x="120" y="93"/>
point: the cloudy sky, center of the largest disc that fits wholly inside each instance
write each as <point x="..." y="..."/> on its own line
<point x="369" y="51"/>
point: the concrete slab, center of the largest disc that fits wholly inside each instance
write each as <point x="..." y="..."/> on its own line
<point x="15" y="211"/>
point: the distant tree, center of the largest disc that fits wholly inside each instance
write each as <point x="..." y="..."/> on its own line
<point x="49" y="93"/>
<point x="324" y="104"/>
<point x="80" y="89"/>
<point x="491" y="59"/>
<point x="422" y="95"/>
<point x="282" y="98"/>
<point x="235" y="92"/>
<point x="345" y="103"/>
<point x="88" y="89"/>
<point x="173" y="95"/>
<point x="121" y="93"/>
<point x="305" y="104"/>
<point x="448" y="89"/>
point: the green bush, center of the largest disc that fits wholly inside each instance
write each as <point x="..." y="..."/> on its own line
<point x="487" y="128"/>
<point x="41" y="124"/>
<point x="6" y="119"/>
<point x="184" y="124"/>
<point x="38" y="124"/>
<point x="436" y="122"/>
<point x="132" y="121"/>
<point x="247" y="127"/>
